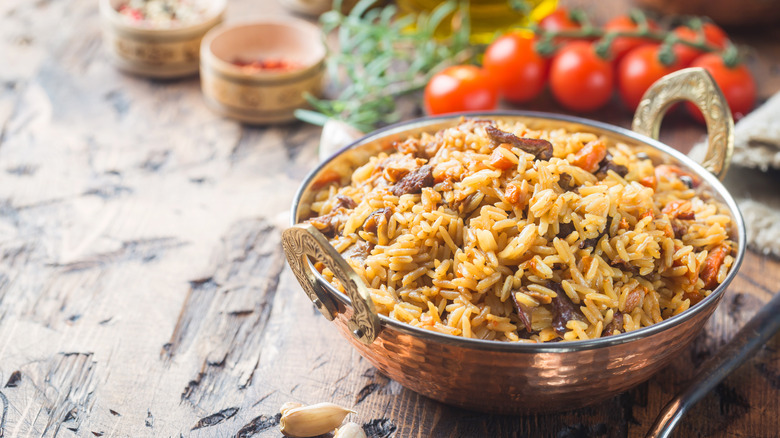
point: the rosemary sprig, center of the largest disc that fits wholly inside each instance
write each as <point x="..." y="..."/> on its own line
<point x="382" y="56"/>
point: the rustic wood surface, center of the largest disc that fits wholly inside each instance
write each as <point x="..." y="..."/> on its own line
<point x="143" y="288"/>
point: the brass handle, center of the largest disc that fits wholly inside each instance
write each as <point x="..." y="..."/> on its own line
<point x="302" y="241"/>
<point x="697" y="86"/>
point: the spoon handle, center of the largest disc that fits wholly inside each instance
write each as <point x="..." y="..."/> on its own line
<point x="753" y="335"/>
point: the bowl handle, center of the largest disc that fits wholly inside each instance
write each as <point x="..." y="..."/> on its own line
<point x="697" y="86"/>
<point x="303" y="241"/>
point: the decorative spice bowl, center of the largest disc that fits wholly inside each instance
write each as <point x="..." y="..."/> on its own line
<point x="514" y="377"/>
<point x="153" y="49"/>
<point x="259" y="72"/>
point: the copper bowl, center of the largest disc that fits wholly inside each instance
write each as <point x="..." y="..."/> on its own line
<point x="506" y="377"/>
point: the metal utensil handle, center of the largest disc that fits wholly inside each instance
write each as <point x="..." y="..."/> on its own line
<point x="752" y="336"/>
<point x="303" y="241"/>
<point x="697" y="86"/>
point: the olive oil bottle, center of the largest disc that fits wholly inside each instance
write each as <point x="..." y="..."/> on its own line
<point x="487" y="17"/>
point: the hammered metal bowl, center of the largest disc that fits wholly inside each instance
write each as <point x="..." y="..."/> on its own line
<point x="502" y="377"/>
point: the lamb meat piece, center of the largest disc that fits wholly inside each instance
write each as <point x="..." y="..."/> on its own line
<point x="540" y="297"/>
<point x="417" y="148"/>
<point x="615" y="324"/>
<point x="563" y="309"/>
<point x="608" y="164"/>
<point x="375" y="218"/>
<point x="414" y="181"/>
<point x="522" y="311"/>
<point x="679" y="209"/>
<point x="623" y="265"/>
<point x="592" y="242"/>
<point x="468" y="204"/>
<point x="634" y="298"/>
<point x="566" y="182"/>
<point x="330" y="223"/>
<point x="397" y="166"/>
<point x="564" y="229"/>
<point x="541" y="149"/>
<point x="345" y="202"/>
<point x="358" y="251"/>
<point x="679" y="228"/>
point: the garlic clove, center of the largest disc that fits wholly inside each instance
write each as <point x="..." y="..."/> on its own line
<point x="289" y="406"/>
<point x="350" y="430"/>
<point x="308" y="421"/>
<point x="335" y="135"/>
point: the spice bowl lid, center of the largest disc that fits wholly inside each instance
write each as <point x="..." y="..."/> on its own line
<point x="294" y="47"/>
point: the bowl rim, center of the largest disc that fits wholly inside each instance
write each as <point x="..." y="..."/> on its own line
<point x="544" y="347"/>
<point x="213" y="15"/>
<point x="209" y="58"/>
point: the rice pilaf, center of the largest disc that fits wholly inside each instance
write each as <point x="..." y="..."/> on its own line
<point x="495" y="231"/>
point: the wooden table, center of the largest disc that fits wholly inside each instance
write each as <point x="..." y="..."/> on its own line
<point x="144" y="292"/>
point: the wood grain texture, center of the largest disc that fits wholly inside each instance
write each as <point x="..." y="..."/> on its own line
<point x="143" y="289"/>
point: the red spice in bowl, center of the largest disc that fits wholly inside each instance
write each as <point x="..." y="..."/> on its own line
<point x="267" y="64"/>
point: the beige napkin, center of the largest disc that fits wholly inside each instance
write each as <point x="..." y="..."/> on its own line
<point x="754" y="178"/>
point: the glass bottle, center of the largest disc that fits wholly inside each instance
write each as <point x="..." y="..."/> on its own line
<point x="488" y="16"/>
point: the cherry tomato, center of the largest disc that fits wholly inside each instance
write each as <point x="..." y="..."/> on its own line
<point x="622" y="45"/>
<point x="460" y="88"/>
<point x="638" y="70"/>
<point x="519" y="72"/>
<point x="712" y="35"/>
<point x="558" y="20"/>
<point x="579" y="79"/>
<point x="736" y="83"/>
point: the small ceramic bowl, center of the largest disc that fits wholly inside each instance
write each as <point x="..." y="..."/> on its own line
<point x="266" y="92"/>
<point x="156" y="51"/>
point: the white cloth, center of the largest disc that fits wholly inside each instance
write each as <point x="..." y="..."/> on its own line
<point x="754" y="178"/>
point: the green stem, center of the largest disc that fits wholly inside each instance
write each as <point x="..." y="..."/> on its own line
<point x="700" y="45"/>
<point x="639" y="18"/>
<point x="579" y="16"/>
<point x="312" y="117"/>
<point x="696" y="24"/>
<point x="730" y="56"/>
<point x="666" y="55"/>
<point x="546" y="44"/>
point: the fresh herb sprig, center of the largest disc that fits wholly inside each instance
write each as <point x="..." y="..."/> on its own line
<point x="381" y="56"/>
